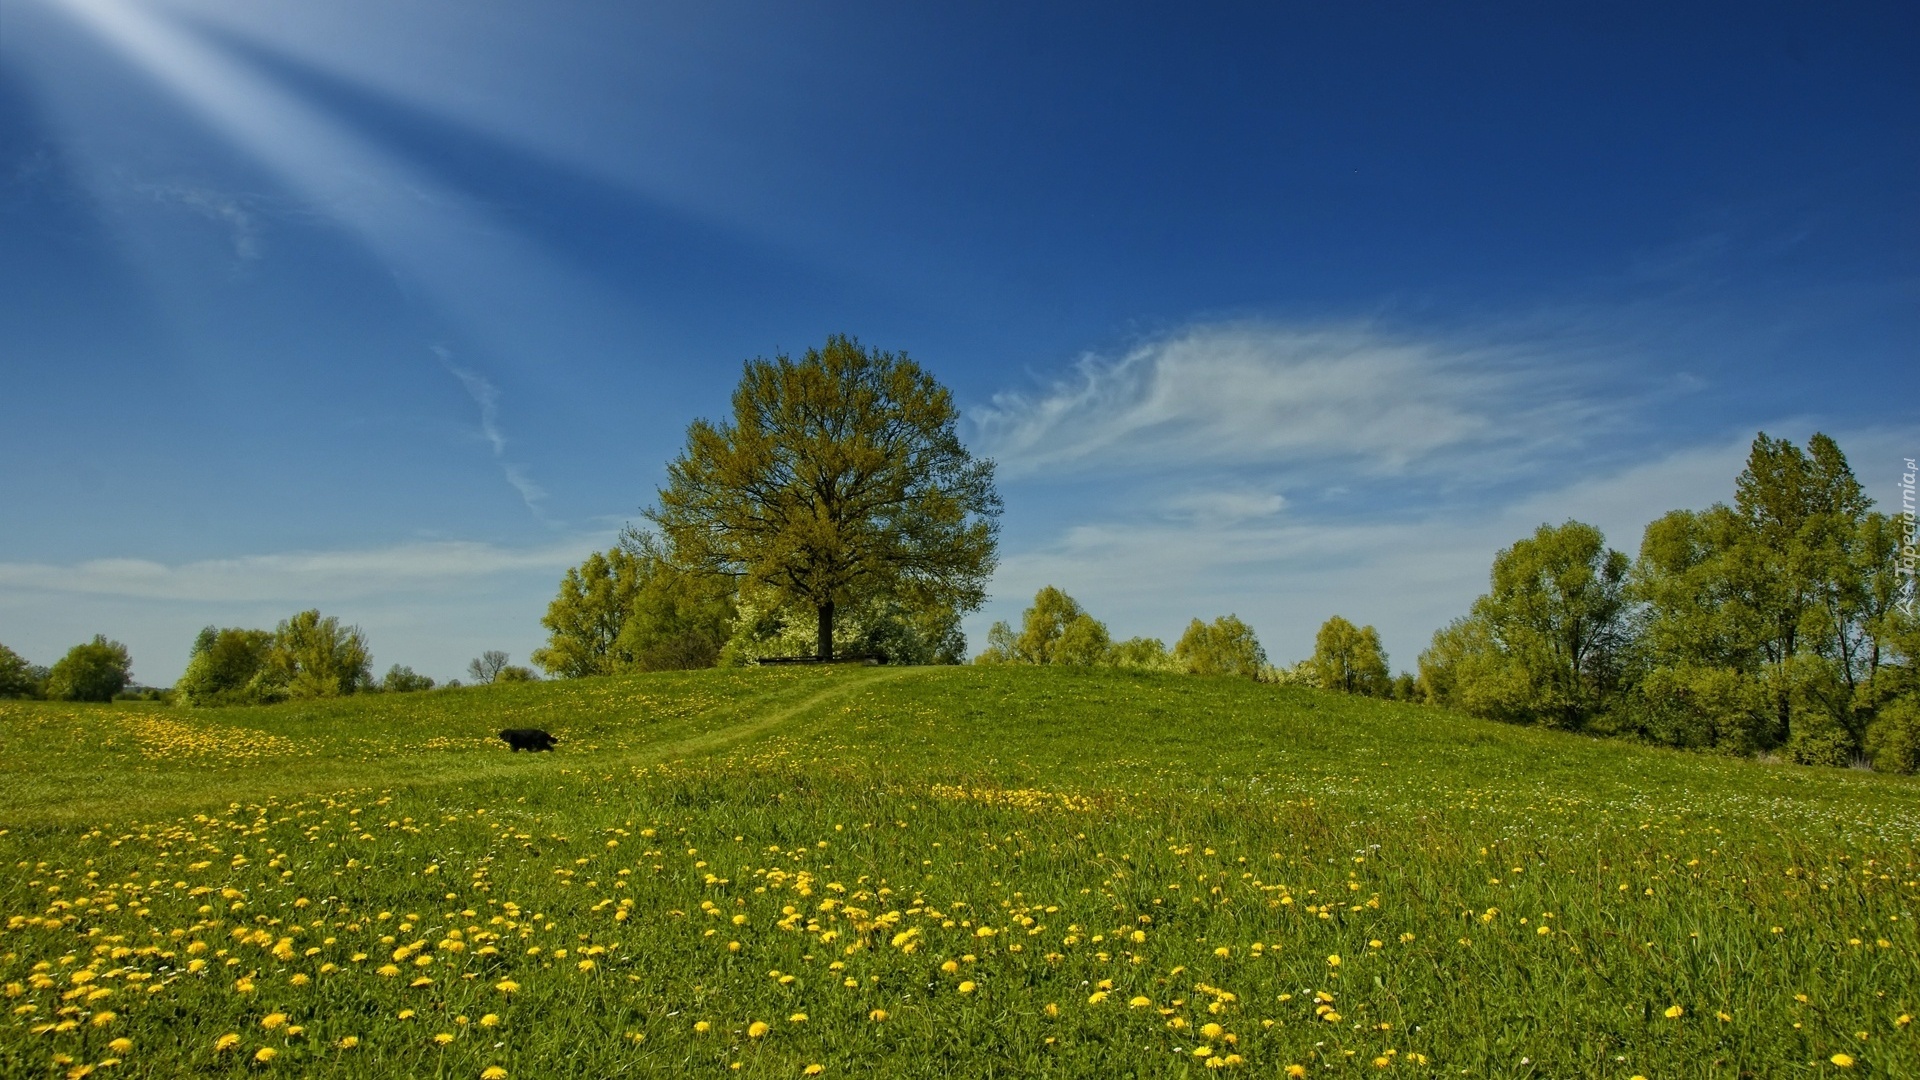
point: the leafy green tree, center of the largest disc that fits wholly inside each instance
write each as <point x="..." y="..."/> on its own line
<point x="1544" y="644"/>
<point x="1349" y="659"/>
<point x="314" y="657"/>
<point x="403" y="680"/>
<point x="1142" y="653"/>
<point x="16" y="676"/>
<point x="1226" y="646"/>
<point x="585" y="621"/>
<point x="223" y="665"/>
<point x="514" y="673"/>
<point x="1055" y="630"/>
<point x="840" y="479"/>
<point x="677" y="617"/>
<point x="94" y="671"/>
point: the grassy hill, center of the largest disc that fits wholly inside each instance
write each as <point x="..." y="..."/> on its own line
<point x="934" y="872"/>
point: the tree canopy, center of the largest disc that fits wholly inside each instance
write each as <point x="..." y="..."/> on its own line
<point x="839" y="479"/>
<point x="1350" y="659"/>
<point x="94" y="671"/>
<point x="17" y="678"/>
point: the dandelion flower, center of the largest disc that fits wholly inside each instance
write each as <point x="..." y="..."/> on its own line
<point x="348" y="1042"/>
<point x="1845" y="1061"/>
<point x="1212" y="1031"/>
<point x="877" y="1015"/>
<point x="1333" y="960"/>
<point x="273" y="1020"/>
<point x="225" y="1042"/>
<point x="701" y="1027"/>
<point x="265" y="1054"/>
<point x="507" y="986"/>
<point x="797" y="1018"/>
<point x="585" y="965"/>
<point x="387" y="971"/>
<point x="756" y="1029"/>
<point x="1140" y="1002"/>
<point x="1675" y="1012"/>
<point x="1296" y="1071"/>
<point x="493" y="1072"/>
<point x="102" y="1019"/>
<point x="443" y="1038"/>
<point x="490" y="1020"/>
<point x="814" y="1069"/>
<point x="120" y="1046"/>
<point x="1095" y="998"/>
<point x="1223" y="952"/>
<point x="967" y="987"/>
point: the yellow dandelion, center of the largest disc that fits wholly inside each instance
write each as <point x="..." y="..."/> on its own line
<point x="1140" y="1002"/>
<point x="1212" y="1031"/>
<point x="756" y="1029"/>
<point x="348" y="1042"/>
<point x="507" y="986"/>
<point x="493" y="1072"/>
<point x="1051" y="1009"/>
<point x="1094" y="998"/>
<point x="102" y="1019"/>
<point x="967" y="987"/>
<point x="797" y="1018"/>
<point x="273" y="1020"/>
<point x="300" y="979"/>
<point x="1675" y="1012"/>
<point x="120" y="1046"/>
<point x="1845" y="1061"/>
<point x="877" y="1015"/>
<point x="1223" y="952"/>
<point x="1298" y="1071"/>
<point x="701" y="1027"/>
<point x="490" y="1020"/>
<point x="387" y="971"/>
<point x="814" y="1070"/>
<point x="1333" y="960"/>
<point x="265" y="1054"/>
<point x="443" y="1038"/>
<point x="585" y="965"/>
<point x="225" y="1042"/>
<point x="420" y="982"/>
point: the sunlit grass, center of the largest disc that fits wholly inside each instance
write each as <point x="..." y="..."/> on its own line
<point x="920" y="872"/>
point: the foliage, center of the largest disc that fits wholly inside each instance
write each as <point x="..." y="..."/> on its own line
<point x="515" y="673"/>
<point x="1543" y="645"/>
<point x="1033" y="809"/>
<point x="17" y="679"/>
<point x="883" y="629"/>
<point x="403" y="680"/>
<point x="314" y="657"/>
<point x="840" y="480"/>
<point x="1350" y="659"/>
<point x="223" y="666"/>
<point x="1055" y="630"/>
<point x="584" y="622"/>
<point x="1226" y="646"/>
<point x="1142" y="654"/>
<point x="95" y="671"/>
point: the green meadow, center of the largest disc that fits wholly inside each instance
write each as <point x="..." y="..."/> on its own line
<point x="920" y="872"/>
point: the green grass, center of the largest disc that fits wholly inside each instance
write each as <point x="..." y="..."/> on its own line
<point x="1109" y="861"/>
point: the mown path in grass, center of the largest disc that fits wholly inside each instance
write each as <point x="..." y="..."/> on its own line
<point x="959" y="872"/>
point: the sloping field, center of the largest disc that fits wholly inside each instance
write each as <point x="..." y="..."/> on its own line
<point x="934" y="872"/>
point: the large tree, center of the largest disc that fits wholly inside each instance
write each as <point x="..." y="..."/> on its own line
<point x="223" y="666"/>
<point x="1350" y="659"/>
<point x="839" y="479"/>
<point x="94" y="671"/>
<point x="16" y="675"/>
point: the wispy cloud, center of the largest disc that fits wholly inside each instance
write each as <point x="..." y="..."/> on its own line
<point x="1262" y="393"/>
<point x="487" y="396"/>
<point x="303" y="577"/>
<point x="232" y="211"/>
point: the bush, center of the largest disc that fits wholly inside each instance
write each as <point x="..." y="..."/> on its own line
<point x="1893" y="739"/>
<point x="1225" y="646"/>
<point x="223" y="666"/>
<point x="95" y="671"/>
<point x="402" y="680"/>
<point x="18" y="679"/>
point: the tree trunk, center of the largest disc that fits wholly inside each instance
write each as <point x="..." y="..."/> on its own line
<point x="826" y="631"/>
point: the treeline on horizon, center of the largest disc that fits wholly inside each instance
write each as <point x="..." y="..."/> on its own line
<point x="838" y="516"/>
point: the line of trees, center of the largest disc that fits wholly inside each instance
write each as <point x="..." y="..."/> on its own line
<point x="97" y="670"/>
<point x="1771" y="625"/>
<point x="1056" y="630"/>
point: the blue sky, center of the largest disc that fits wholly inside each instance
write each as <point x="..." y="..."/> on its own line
<point x="398" y="310"/>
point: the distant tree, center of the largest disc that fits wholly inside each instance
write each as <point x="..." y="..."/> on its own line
<point x="840" y="479"/>
<point x="487" y="666"/>
<point x="678" y="617"/>
<point x="1349" y="659"/>
<point x="313" y="657"/>
<point x="16" y="676"/>
<point x="585" y="621"/>
<point x="513" y="673"/>
<point x="94" y="671"/>
<point x="1405" y="687"/>
<point x="1142" y="653"/>
<point x="1055" y="630"/>
<point x="1225" y="646"/>
<point x="223" y="665"/>
<point x="402" y="680"/>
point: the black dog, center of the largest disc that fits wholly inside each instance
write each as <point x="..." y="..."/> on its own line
<point x="527" y="739"/>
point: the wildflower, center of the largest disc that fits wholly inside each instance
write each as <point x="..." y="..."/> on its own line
<point x="493" y="1072"/>
<point x="1140" y="1002"/>
<point x="507" y="986"/>
<point x="405" y="1014"/>
<point x="120" y="1046"/>
<point x="265" y="1054"/>
<point x="443" y="1038"/>
<point x="348" y="1042"/>
<point x="1223" y="952"/>
<point x="756" y="1029"/>
<point x="585" y="965"/>
<point x="1094" y="998"/>
<point x="1212" y="1031"/>
<point x="1675" y="1012"/>
<point x="1845" y="1061"/>
<point x="490" y="1020"/>
<point x="387" y="971"/>
<point x="877" y="1015"/>
<point x="967" y="987"/>
<point x="1051" y="1009"/>
<point x="420" y="982"/>
<point x="225" y="1042"/>
<point x="300" y="979"/>
<point x="950" y="967"/>
<point x="701" y="1027"/>
<point x="102" y="1019"/>
<point x="797" y="1018"/>
<point x="1296" y="1071"/>
<point x="814" y="1070"/>
<point x="1724" y="1017"/>
<point x="273" y="1020"/>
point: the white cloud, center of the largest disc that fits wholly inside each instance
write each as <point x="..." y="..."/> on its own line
<point x="487" y="396"/>
<point x="1225" y="505"/>
<point x="307" y="577"/>
<point x="1256" y="393"/>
